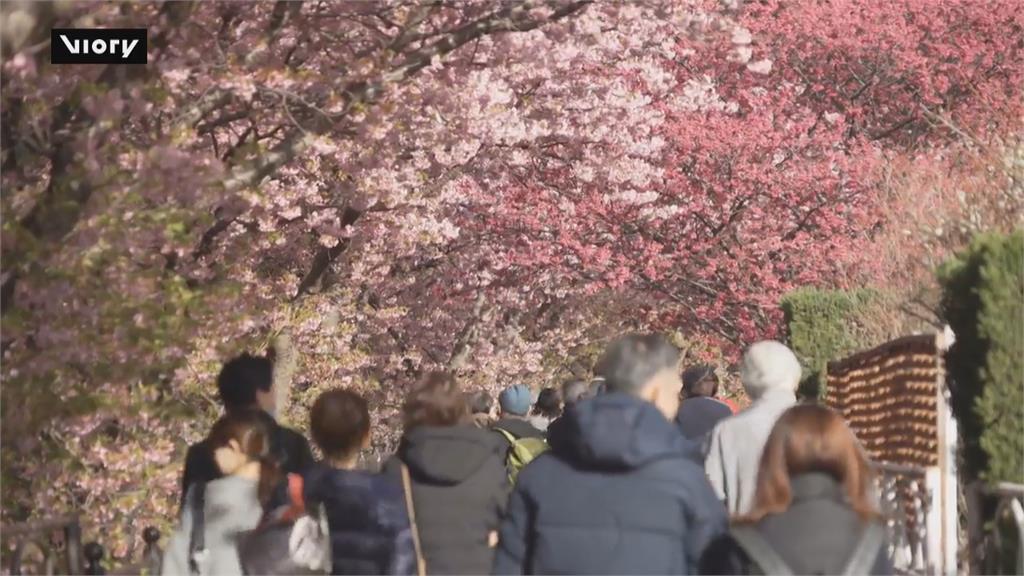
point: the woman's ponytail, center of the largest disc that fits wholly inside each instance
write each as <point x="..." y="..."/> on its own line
<point x="250" y="430"/>
<point x="270" y="479"/>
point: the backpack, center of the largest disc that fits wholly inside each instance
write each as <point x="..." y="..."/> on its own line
<point x="523" y="451"/>
<point x="289" y="540"/>
<point x="769" y="561"/>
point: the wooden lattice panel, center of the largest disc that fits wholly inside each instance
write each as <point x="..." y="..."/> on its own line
<point x="889" y="395"/>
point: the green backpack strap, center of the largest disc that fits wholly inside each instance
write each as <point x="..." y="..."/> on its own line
<point x="521" y="452"/>
<point x="508" y="436"/>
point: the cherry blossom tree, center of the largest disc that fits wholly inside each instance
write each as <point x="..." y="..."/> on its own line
<point x="376" y="189"/>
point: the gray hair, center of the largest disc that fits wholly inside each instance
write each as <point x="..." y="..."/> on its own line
<point x="630" y="362"/>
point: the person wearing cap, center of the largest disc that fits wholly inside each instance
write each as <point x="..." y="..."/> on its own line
<point x="617" y="493"/>
<point x="700" y="410"/>
<point x="770" y="374"/>
<point x="514" y="405"/>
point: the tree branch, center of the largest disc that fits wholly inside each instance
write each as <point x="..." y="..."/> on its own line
<point x="325" y="256"/>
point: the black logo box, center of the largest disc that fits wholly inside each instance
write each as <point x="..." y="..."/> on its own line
<point x="99" y="45"/>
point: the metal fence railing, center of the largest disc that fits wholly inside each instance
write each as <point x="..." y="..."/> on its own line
<point x="906" y="500"/>
<point x="992" y="512"/>
<point x="54" y="546"/>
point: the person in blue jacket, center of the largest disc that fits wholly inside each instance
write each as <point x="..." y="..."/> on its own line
<point x="619" y="492"/>
<point x="366" y="512"/>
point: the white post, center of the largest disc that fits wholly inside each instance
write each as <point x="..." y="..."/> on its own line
<point x="947" y="553"/>
<point x="950" y="496"/>
<point x="933" y="521"/>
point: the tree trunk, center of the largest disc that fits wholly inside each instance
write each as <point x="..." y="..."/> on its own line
<point x="286" y="360"/>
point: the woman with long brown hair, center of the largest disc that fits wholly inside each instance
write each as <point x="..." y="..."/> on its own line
<point x="455" y="475"/>
<point x="814" y="511"/>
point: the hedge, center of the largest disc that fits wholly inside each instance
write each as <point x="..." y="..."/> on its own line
<point x="983" y="301"/>
<point x="819" y="329"/>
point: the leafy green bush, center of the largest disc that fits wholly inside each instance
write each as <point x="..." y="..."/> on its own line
<point x="819" y="324"/>
<point x="983" y="301"/>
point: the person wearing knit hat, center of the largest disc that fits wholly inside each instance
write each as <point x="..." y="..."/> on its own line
<point x="514" y="403"/>
<point x="700" y="410"/>
<point x="770" y="374"/>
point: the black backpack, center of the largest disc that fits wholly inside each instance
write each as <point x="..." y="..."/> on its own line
<point x="769" y="561"/>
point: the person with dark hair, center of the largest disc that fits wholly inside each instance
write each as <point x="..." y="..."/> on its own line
<point x="619" y="491"/>
<point x="573" y="391"/>
<point x="456" y="478"/>
<point x="369" y="525"/>
<point x="547" y="409"/>
<point x="813" y="511"/>
<point x="481" y="405"/>
<point x="770" y="374"/>
<point x="245" y="383"/>
<point x="700" y="411"/>
<point x="239" y="444"/>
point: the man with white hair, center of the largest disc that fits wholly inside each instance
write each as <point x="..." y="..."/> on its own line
<point x="770" y="374"/>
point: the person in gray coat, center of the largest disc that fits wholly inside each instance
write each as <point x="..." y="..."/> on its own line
<point x="770" y="374"/>
<point x="232" y="504"/>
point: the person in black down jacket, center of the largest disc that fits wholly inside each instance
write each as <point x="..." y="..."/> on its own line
<point x="619" y="491"/>
<point x="370" y="531"/>
<point x="245" y="383"/>
<point x="700" y="410"/>
<point x="813" y="505"/>
<point x="459" y="482"/>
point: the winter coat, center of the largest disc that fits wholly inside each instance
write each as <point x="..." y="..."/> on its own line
<point x="519" y="428"/>
<point x="815" y="535"/>
<point x="734" y="451"/>
<point x="459" y="489"/>
<point x="698" y="416"/>
<point x="231" y="508"/>
<point x="369" y="525"/>
<point x="618" y="493"/>
<point x="291" y="450"/>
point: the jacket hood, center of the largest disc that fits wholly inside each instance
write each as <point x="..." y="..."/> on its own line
<point x="451" y="454"/>
<point x="617" y="431"/>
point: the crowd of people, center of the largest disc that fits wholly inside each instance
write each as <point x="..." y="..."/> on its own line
<point x="642" y="470"/>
